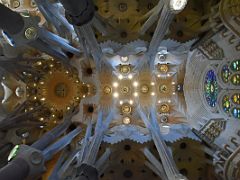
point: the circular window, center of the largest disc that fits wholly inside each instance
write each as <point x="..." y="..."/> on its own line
<point x="211" y="88"/>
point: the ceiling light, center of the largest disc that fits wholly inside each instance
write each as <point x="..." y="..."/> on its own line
<point x="135" y="83"/>
<point x="131" y="102"/>
<point x="124" y="58"/>
<point x="115" y="94"/>
<point x="120" y="77"/>
<point x="177" y="5"/>
<point x="153" y="94"/>
<point x="121" y="102"/>
<point x="135" y="94"/>
<point x="165" y="126"/>
<point x="126" y="120"/>
<point x="130" y="76"/>
<point x="159" y="75"/>
<point x="115" y="84"/>
<point x="152" y="83"/>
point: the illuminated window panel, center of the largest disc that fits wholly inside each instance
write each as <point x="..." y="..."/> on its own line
<point x="236" y="113"/>
<point x="225" y="73"/>
<point x="211" y="88"/>
<point x="236" y="99"/>
<point x="235" y="65"/>
<point x="236" y="79"/>
<point x="226" y="104"/>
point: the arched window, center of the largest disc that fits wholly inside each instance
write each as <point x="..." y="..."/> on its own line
<point x="235" y="65"/>
<point x="226" y="104"/>
<point x="235" y="79"/>
<point x="225" y="73"/>
<point x="236" y="99"/>
<point x="236" y="112"/>
<point x="211" y="88"/>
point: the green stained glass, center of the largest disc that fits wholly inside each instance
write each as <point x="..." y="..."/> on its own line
<point x="236" y="99"/>
<point x="13" y="152"/>
<point x="236" y="79"/>
<point x="235" y="65"/>
<point x="226" y="104"/>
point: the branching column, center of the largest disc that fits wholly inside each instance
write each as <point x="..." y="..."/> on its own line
<point x="168" y="163"/>
<point x="170" y="8"/>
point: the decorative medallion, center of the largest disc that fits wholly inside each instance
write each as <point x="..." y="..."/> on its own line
<point x="164" y="108"/>
<point x="163" y="68"/>
<point x="163" y="89"/>
<point x="126" y="109"/>
<point x="144" y="89"/>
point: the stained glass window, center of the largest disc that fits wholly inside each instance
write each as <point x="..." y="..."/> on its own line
<point x="226" y="104"/>
<point x="236" y="99"/>
<point x="236" y="79"/>
<point x="235" y="65"/>
<point x="225" y="73"/>
<point x="236" y="112"/>
<point x="211" y="88"/>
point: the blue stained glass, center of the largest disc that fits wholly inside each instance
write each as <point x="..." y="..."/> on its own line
<point x="211" y="88"/>
<point x="236" y="113"/>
